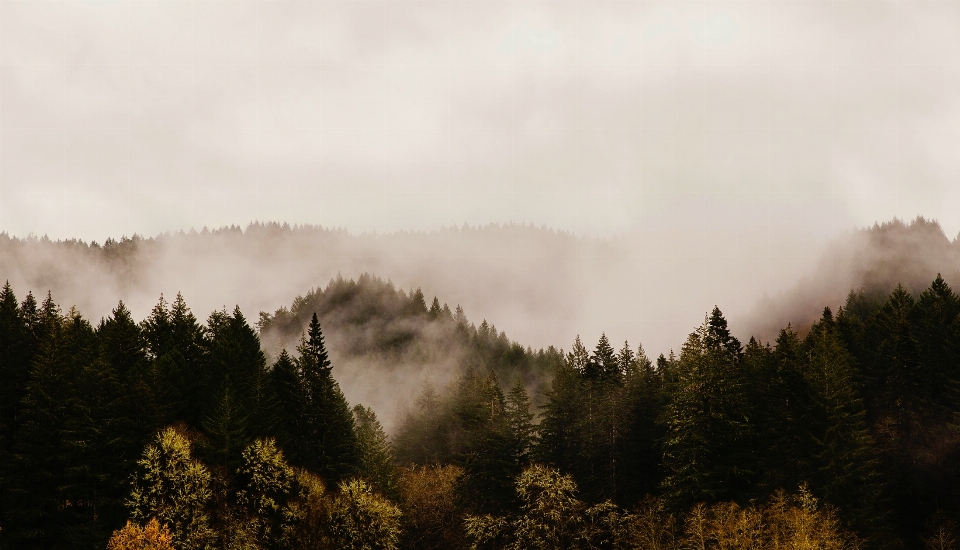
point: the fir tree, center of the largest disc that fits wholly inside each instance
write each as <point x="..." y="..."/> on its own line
<point x="330" y="442"/>
<point x="291" y="402"/>
<point x="848" y="467"/>
<point x="226" y="427"/>
<point x="639" y="454"/>
<point x="709" y="437"/>
<point x="520" y="420"/>
<point x="376" y="453"/>
<point x="936" y="316"/>
<point x="486" y="453"/>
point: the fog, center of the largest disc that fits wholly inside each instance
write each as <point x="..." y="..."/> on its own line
<point x="683" y="154"/>
<point x="598" y="118"/>
<point x="541" y="286"/>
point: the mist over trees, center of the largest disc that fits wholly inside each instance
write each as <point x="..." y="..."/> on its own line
<point x="172" y="432"/>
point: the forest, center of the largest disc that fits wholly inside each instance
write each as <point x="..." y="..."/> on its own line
<point x="176" y="433"/>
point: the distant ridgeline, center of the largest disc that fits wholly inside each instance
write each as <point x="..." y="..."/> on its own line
<point x="873" y="260"/>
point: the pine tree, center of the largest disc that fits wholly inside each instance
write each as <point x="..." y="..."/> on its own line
<point x="559" y="443"/>
<point x="376" y="453"/>
<point x="236" y="366"/>
<point x="17" y="347"/>
<point x="708" y="448"/>
<point x="435" y="309"/>
<point x="846" y="457"/>
<point x="291" y="402"/>
<point x="937" y="333"/>
<point x="330" y="442"/>
<point x="894" y="361"/>
<point x="627" y="360"/>
<point x="226" y="427"/>
<point x="486" y="452"/>
<point x="520" y="420"/>
<point x="603" y="364"/>
<point x="781" y="403"/>
<point x="640" y="452"/>
<point x="32" y="498"/>
<point x="168" y="376"/>
<point x="121" y="343"/>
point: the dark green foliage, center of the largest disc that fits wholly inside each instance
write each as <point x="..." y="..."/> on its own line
<point x="175" y="347"/>
<point x="369" y="317"/>
<point x="520" y="422"/>
<point x="328" y="440"/>
<point x="863" y="409"/>
<point x="846" y="458"/>
<point x="599" y="422"/>
<point x="640" y="454"/>
<point x="487" y="448"/>
<point x="783" y="409"/>
<point x="376" y="453"/>
<point x="422" y="436"/>
<point x="227" y="428"/>
<point x="708" y="448"/>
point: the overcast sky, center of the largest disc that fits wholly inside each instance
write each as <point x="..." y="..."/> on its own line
<point x="596" y="117"/>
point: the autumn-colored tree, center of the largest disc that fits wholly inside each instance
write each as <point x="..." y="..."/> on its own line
<point x="363" y="520"/>
<point x="431" y="517"/>
<point x="151" y="536"/>
<point x="175" y="488"/>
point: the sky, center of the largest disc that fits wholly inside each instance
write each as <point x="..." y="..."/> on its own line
<point x="722" y="144"/>
<point x="597" y="117"/>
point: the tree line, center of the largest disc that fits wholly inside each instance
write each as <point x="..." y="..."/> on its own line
<point x="172" y="432"/>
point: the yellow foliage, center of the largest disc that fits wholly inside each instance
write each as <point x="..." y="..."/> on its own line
<point x="431" y="516"/>
<point x="133" y="537"/>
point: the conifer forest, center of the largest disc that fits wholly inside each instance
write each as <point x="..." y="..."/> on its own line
<point x="176" y="432"/>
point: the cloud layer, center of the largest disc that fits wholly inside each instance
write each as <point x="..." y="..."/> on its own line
<point x="148" y="115"/>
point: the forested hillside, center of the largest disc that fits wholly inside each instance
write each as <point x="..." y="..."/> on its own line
<point x="874" y="259"/>
<point x="509" y="271"/>
<point x="180" y="434"/>
<point x="388" y="343"/>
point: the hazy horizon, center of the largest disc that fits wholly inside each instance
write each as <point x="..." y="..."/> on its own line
<point x="721" y="145"/>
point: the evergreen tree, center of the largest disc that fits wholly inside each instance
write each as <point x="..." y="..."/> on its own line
<point x="168" y="376"/>
<point x="329" y="439"/>
<point x="187" y="356"/>
<point x="121" y="343"/>
<point x="603" y="364"/>
<point x="782" y="410"/>
<point x="17" y="347"/>
<point x="627" y="360"/>
<point x="520" y="420"/>
<point x="708" y="448"/>
<point x="376" y="453"/>
<point x="559" y="443"/>
<point x="226" y="427"/>
<point x="848" y="467"/>
<point x="640" y="451"/>
<point x="937" y="334"/>
<point x="486" y="452"/>
<point x="236" y="366"/>
<point x="291" y="402"/>
<point x="33" y="495"/>
<point x="435" y="310"/>
<point x="893" y="363"/>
